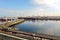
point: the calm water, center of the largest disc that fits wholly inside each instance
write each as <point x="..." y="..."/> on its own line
<point x="38" y="26"/>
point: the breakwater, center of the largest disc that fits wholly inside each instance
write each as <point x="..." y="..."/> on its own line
<point x="10" y="23"/>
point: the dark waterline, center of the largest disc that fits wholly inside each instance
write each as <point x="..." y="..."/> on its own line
<point x="46" y="27"/>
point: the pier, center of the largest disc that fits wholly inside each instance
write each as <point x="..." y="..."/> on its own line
<point x="8" y="24"/>
<point x="6" y="34"/>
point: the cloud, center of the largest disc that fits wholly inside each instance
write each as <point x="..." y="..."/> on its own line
<point x="15" y="12"/>
<point x="39" y="8"/>
<point x="50" y="3"/>
<point x="10" y="12"/>
<point x="38" y="11"/>
<point x="47" y="7"/>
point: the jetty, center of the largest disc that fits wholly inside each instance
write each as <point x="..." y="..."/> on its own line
<point x="8" y="24"/>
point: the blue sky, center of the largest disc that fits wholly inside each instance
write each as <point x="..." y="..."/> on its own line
<point x="29" y="8"/>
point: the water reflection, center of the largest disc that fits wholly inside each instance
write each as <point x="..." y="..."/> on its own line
<point x="38" y="26"/>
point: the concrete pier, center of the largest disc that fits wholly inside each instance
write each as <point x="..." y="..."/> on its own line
<point x="10" y="23"/>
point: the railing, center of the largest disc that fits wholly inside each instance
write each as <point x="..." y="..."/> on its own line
<point x="31" y="36"/>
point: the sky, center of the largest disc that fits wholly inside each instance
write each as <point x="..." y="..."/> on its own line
<point x="29" y="8"/>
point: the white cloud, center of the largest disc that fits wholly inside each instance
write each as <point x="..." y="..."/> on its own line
<point x="43" y="8"/>
<point x="10" y="12"/>
<point x="15" y="12"/>
<point x="47" y="7"/>
<point x="50" y="3"/>
<point x="38" y="11"/>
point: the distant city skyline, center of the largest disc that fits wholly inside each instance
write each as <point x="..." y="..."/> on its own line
<point x="14" y="8"/>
